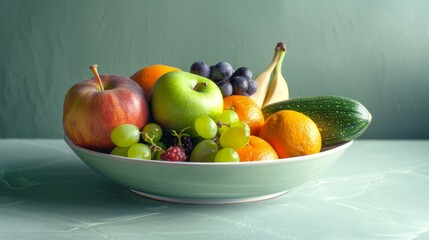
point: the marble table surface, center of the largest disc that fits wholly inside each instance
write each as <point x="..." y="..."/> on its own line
<point x="379" y="189"/>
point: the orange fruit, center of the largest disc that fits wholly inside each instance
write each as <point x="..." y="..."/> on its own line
<point x="256" y="150"/>
<point x="291" y="134"/>
<point x="247" y="110"/>
<point x="147" y="76"/>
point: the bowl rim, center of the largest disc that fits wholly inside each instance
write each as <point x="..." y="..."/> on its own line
<point x="324" y="152"/>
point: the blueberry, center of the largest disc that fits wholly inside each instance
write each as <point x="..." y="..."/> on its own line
<point x="221" y="71"/>
<point x="243" y="72"/>
<point x="225" y="87"/>
<point x="200" y="68"/>
<point x="252" y="87"/>
<point x="239" y="85"/>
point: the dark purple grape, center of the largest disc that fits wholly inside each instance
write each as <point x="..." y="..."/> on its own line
<point x="239" y="85"/>
<point x="252" y="87"/>
<point x="225" y="87"/>
<point x="200" y="68"/>
<point x="221" y="71"/>
<point x="243" y="72"/>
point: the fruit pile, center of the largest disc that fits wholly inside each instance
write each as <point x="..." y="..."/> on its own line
<point x="207" y="114"/>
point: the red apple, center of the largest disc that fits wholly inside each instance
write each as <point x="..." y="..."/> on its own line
<point x="94" y="107"/>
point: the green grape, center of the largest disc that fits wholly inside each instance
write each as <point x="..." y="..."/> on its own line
<point x="140" y="151"/>
<point x="125" y="135"/>
<point x="234" y="137"/>
<point x="227" y="155"/>
<point x="204" y="151"/>
<point x="226" y="117"/>
<point x="222" y="129"/>
<point x="242" y="125"/>
<point x="156" y="151"/>
<point x="151" y="130"/>
<point x="206" y="127"/>
<point x="120" y="151"/>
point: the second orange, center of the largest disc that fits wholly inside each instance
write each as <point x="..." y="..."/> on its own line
<point x="147" y="76"/>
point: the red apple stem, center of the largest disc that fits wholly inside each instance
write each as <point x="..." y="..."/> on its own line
<point x="97" y="76"/>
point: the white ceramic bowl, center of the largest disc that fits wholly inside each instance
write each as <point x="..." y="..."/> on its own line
<point x="210" y="183"/>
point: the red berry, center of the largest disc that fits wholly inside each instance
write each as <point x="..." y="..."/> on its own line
<point x="175" y="154"/>
<point x="186" y="144"/>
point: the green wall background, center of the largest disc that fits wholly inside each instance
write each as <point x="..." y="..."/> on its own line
<point x="374" y="51"/>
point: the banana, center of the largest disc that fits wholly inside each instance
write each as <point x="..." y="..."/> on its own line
<point x="278" y="89"/>
<point x="263" y="79"/>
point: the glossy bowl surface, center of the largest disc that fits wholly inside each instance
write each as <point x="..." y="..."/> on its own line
<point x="210" y="183"/>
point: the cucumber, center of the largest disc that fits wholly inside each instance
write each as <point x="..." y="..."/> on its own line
<point x="339" y="119"/>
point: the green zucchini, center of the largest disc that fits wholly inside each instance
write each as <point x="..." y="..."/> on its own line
<point x="339" y="119"/>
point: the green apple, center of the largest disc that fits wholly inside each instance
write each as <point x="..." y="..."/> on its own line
<point x="178" y="98"/>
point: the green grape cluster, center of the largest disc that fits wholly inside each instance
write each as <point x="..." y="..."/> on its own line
<point x="216" y="141"/>
<point x="133" y="143"/>
<point x="221" y="136"/>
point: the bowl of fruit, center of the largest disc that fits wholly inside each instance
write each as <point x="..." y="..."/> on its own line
<point x="210" y="135"/>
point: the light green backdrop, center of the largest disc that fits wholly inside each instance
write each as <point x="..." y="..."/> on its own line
<point x="374" y="51"/>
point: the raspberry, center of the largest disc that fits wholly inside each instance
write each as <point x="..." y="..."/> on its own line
<point x="175" y="154"/>
<point x="183" y="141"/>
<point x="186" y="144"/>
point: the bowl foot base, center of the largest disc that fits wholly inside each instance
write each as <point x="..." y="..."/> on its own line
<point x="208" y="201"/>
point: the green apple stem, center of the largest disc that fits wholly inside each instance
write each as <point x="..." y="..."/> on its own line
<point x="200" y="84"/>
<point x="97" y="76"/>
